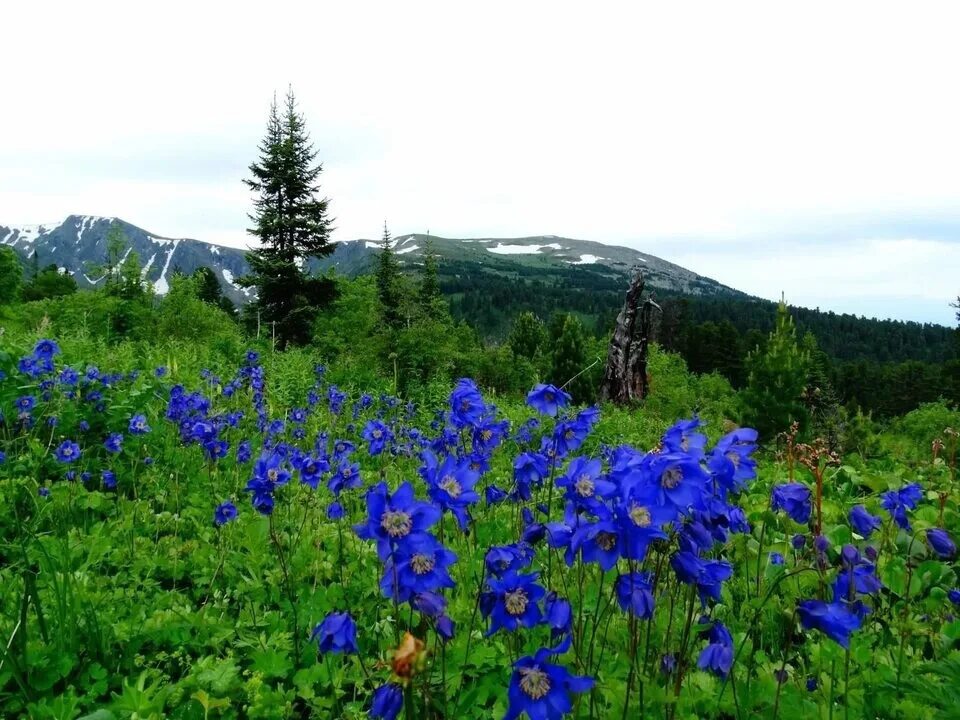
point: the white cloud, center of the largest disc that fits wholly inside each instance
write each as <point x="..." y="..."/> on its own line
<point x="624" y="122"/>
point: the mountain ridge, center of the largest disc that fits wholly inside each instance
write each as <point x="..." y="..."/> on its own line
<point x="78" y="243"/>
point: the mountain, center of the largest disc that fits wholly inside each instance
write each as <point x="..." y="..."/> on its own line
<point x="79" y="243"/>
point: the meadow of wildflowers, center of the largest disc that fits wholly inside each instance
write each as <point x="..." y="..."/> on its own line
<point x="239" y="545"/>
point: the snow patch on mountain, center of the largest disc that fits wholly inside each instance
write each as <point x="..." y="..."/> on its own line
<point x="161" y="286"/>
<point x="502" y="249"/>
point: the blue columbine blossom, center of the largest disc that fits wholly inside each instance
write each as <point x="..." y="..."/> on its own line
<point x="634" y="593"/>
<point x="547" y="399"/>
<point x="678" y="480"/>
<point x="897" y="502"/>
<point x="718" y="655"/>
<point x="450" y="485"/>
<point x="68" y="452"/>
<point x="109" y="479"/>
<point x="863" y="522"/>
<point x="393" y="518"/>
<point x="387" y="702"/>
<point x="502" y="559"/>
<point x="512" y="601"/>
<point x="224" y="513"/>
<point x="707" y="575"/>
<point x="794" y="500"/>
<point x="776" y="558"/>
<point x="583" y="483"/>
<point x="836" y="620"/>
<point x="336" y="633"/>
<point x="416" y="566"/>
<point x="542" y="689"/>
<point x="681" y="438"/>
<point x="730" y="461"/>
<point x="466" y="404"/>
<point x="941" y="544"/>
<point x="347" y="476"/>
<point x="377" y="435"/>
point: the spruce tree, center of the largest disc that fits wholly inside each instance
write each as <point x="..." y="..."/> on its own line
<point x="777" y="377"/>
<point x="429" y="298"/>
<point x="388" y="282"/>
<point x="208" y="287"/>
<point x="569" y="356"/>
<point x="528" y="336"/>
<point x="292" y="226"/>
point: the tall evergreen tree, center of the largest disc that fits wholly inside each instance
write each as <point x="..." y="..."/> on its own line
<point x="528" y="336"/>
<point x="777" y="377"/>
<point x="388" y="282"/>
<point x="292" y="226"/>
<point x="432" y="304"/>
<point x="569" y="356"/>
<point x="208" y="287"/>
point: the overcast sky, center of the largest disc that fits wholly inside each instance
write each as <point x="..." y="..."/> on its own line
<point x="812" y="151"/>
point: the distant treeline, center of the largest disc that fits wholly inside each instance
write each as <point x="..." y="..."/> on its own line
<point x="887" y="367"/>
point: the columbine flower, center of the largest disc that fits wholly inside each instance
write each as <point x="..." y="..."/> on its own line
<point x="377" y="435"/>
<point x="138" y="425"/>
<point x="542" y="689"/>
<point x="776" y="558"/>
<point x="863" y="522"/>
<point x="512" y="601"/>
<point x="835" y="620"/>
<point x="450" y="485"/>
<point x="337" y="633"/>
<point x="547" y="399"/>
<point x="224" y="513"/>
<point x="635" y="594"/>
<point x="392" y="518"/>
<point x="109" y="479"/>
<point x="718" y="655"/>
<point x="897" y="502"/>
<point x="707" y="575"/>
<point x="954" y="596"/>
<point x="68" y="452"/>
<point x="941" y="543"/>
<point x="46" y="349"/>
<point x="793" y="499"/>
<point x="466" y="404"/>
<point x="416" y="566"/>
<point x="387" y="702"/>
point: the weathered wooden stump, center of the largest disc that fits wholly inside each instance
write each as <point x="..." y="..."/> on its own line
<point x="625" y="376"/>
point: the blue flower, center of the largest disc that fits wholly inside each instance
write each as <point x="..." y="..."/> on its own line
<point x="547" y="399"/>
<point x="707" y="575"/>
<point x="450" y="485"/>
<point x="776" y="558"/>
<point x="863" y="522"/>
<point x="377" y="435"/>
<point x="311" y="468"/>
<point x="114" y="442"/>
<point x="25" y="404"/>
<point x="335" y="511"/>
<point x="542" y="689"/>
<point x="46" y="349"/>
<point x="347" y="476"/>
<point x="68" y="452"/>
<point x="109" y="479"/>
<point x="941" y="543"/>
<point x="635" y="594"/>
<point x="466" y="404"/>
<point x="392" y="518"/>
<point x="224" y="513"/>
<point x="416" y="566"/>
<point x="336" y="633"/>
<point x="512" y="601"/>
<point x="793" y="499"/>
<point x="718" y="655"/>
<point x="673" y="479"/>
<point x="138" y="425"/>
<point x="387" y="702"/>
<point x="897" y="502"/>
<point x="954" y="596"/>
<point x="501" y="559"/>
<point x="836" y="620"/>
<point x="557" y="614"/>
<point x="730" y="460"/>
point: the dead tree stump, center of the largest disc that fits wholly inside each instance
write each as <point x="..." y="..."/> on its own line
<point x="625" y="376"/>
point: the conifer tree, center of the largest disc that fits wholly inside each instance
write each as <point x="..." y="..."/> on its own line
<point x="429" y="298"/>
<point x="292" y="226"/>
<point x="208" y="287"/>
<point x="528" y="336"/>
<point x="777" y="377"/>
<point x="569" y="355"/>
<point x="388" y="282"/>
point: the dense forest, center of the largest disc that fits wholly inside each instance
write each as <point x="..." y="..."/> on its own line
<point x="911" y="362"/>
